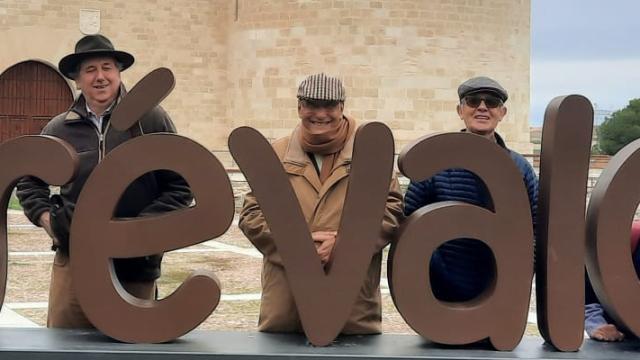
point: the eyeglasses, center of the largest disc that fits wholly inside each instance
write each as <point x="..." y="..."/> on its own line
<point x="317" y="104"/>
<point x="490" y="101"/>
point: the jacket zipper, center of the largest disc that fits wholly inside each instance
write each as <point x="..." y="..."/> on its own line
<point x="102" y="140"/>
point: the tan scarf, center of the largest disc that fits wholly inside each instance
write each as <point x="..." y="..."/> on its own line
<point x="327" y="142"/>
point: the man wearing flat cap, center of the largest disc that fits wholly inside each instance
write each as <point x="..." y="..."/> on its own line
<point x="316" y="157"/>
<point x="95" y="67"/>
<point x="462" y="269"/>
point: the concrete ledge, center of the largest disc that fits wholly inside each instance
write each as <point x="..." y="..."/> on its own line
<point x="79" y="344"/>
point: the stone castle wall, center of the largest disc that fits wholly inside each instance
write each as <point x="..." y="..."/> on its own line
<point x="239" y="62"/>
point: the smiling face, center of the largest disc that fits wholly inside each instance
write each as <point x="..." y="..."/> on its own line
<point x="320" y="116"/>
<point x="99" y="80"/>
<point x="481" y="113"/>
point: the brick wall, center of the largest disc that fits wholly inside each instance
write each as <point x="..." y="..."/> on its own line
<point x="401" y="60"/>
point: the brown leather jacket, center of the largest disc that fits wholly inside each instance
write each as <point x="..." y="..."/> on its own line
<point x="156" y="192"/>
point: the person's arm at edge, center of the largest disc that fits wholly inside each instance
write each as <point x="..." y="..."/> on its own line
<point x="393" y="215"/>
<point x="254" y="226"/>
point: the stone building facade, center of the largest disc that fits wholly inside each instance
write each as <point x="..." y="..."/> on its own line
<point x="238" y="62"/>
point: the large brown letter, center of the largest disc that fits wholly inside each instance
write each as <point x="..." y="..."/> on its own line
<point x="500" y="313"/>
<point x="564" y="167"/>
<point x="147" y="94"/>
<point x="612" y="206"/>
<point x="48" y="158"/>
<point x="324" y="300"/>
<point x="96" y="237"/>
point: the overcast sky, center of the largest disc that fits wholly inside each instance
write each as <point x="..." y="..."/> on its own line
<point x="588" y="47"/>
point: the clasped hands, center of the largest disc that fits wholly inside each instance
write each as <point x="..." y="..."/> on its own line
<point x="324" y="242"/>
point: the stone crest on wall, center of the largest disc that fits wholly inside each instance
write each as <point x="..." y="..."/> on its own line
<point x="89" y="21"/>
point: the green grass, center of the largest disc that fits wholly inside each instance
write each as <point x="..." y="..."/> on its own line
<point x="14" y="204"/>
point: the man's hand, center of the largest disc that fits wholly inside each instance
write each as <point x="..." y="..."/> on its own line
<point x="607" y="332"/>
<point x="45" y="222"/>
<point x="324" y="242"/>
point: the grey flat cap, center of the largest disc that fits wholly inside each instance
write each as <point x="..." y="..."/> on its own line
<point x="321" y="87"/>
<point x="482" y="84"/>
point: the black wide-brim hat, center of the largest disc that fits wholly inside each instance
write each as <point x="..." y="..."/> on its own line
<point x="93" y="46"/>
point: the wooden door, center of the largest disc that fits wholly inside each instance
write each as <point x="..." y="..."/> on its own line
<point x="31" y="93"/>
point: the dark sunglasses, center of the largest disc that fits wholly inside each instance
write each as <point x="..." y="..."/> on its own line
<point x="490" y="101"/>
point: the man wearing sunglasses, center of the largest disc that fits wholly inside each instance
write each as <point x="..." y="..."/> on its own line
<point x="462" y="269"/>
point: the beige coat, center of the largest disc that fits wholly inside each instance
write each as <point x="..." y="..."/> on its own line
<point x="278" y="312"/>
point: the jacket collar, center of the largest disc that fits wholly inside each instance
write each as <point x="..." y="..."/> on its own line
<point x="297" y="162"/>
<point x="499" y="139"/>
<point x="78" y="110"/>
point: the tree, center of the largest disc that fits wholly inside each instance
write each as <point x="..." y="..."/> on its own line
<point x="621" y="128"/>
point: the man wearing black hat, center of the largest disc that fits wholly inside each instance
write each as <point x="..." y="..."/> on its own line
<point x="462" y="269"/>
<point x="95" y="67"/>
<point x="317" y="157"/>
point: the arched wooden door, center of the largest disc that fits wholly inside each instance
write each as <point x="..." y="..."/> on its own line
<point x="31" y="93"/>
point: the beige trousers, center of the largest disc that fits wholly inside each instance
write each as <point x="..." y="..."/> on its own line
<point x="64" y="308"/>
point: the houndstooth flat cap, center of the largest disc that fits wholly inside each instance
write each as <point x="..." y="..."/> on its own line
<point x="321" y="87"/>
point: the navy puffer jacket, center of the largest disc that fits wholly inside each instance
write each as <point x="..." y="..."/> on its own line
<point x="462" y="268"/>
